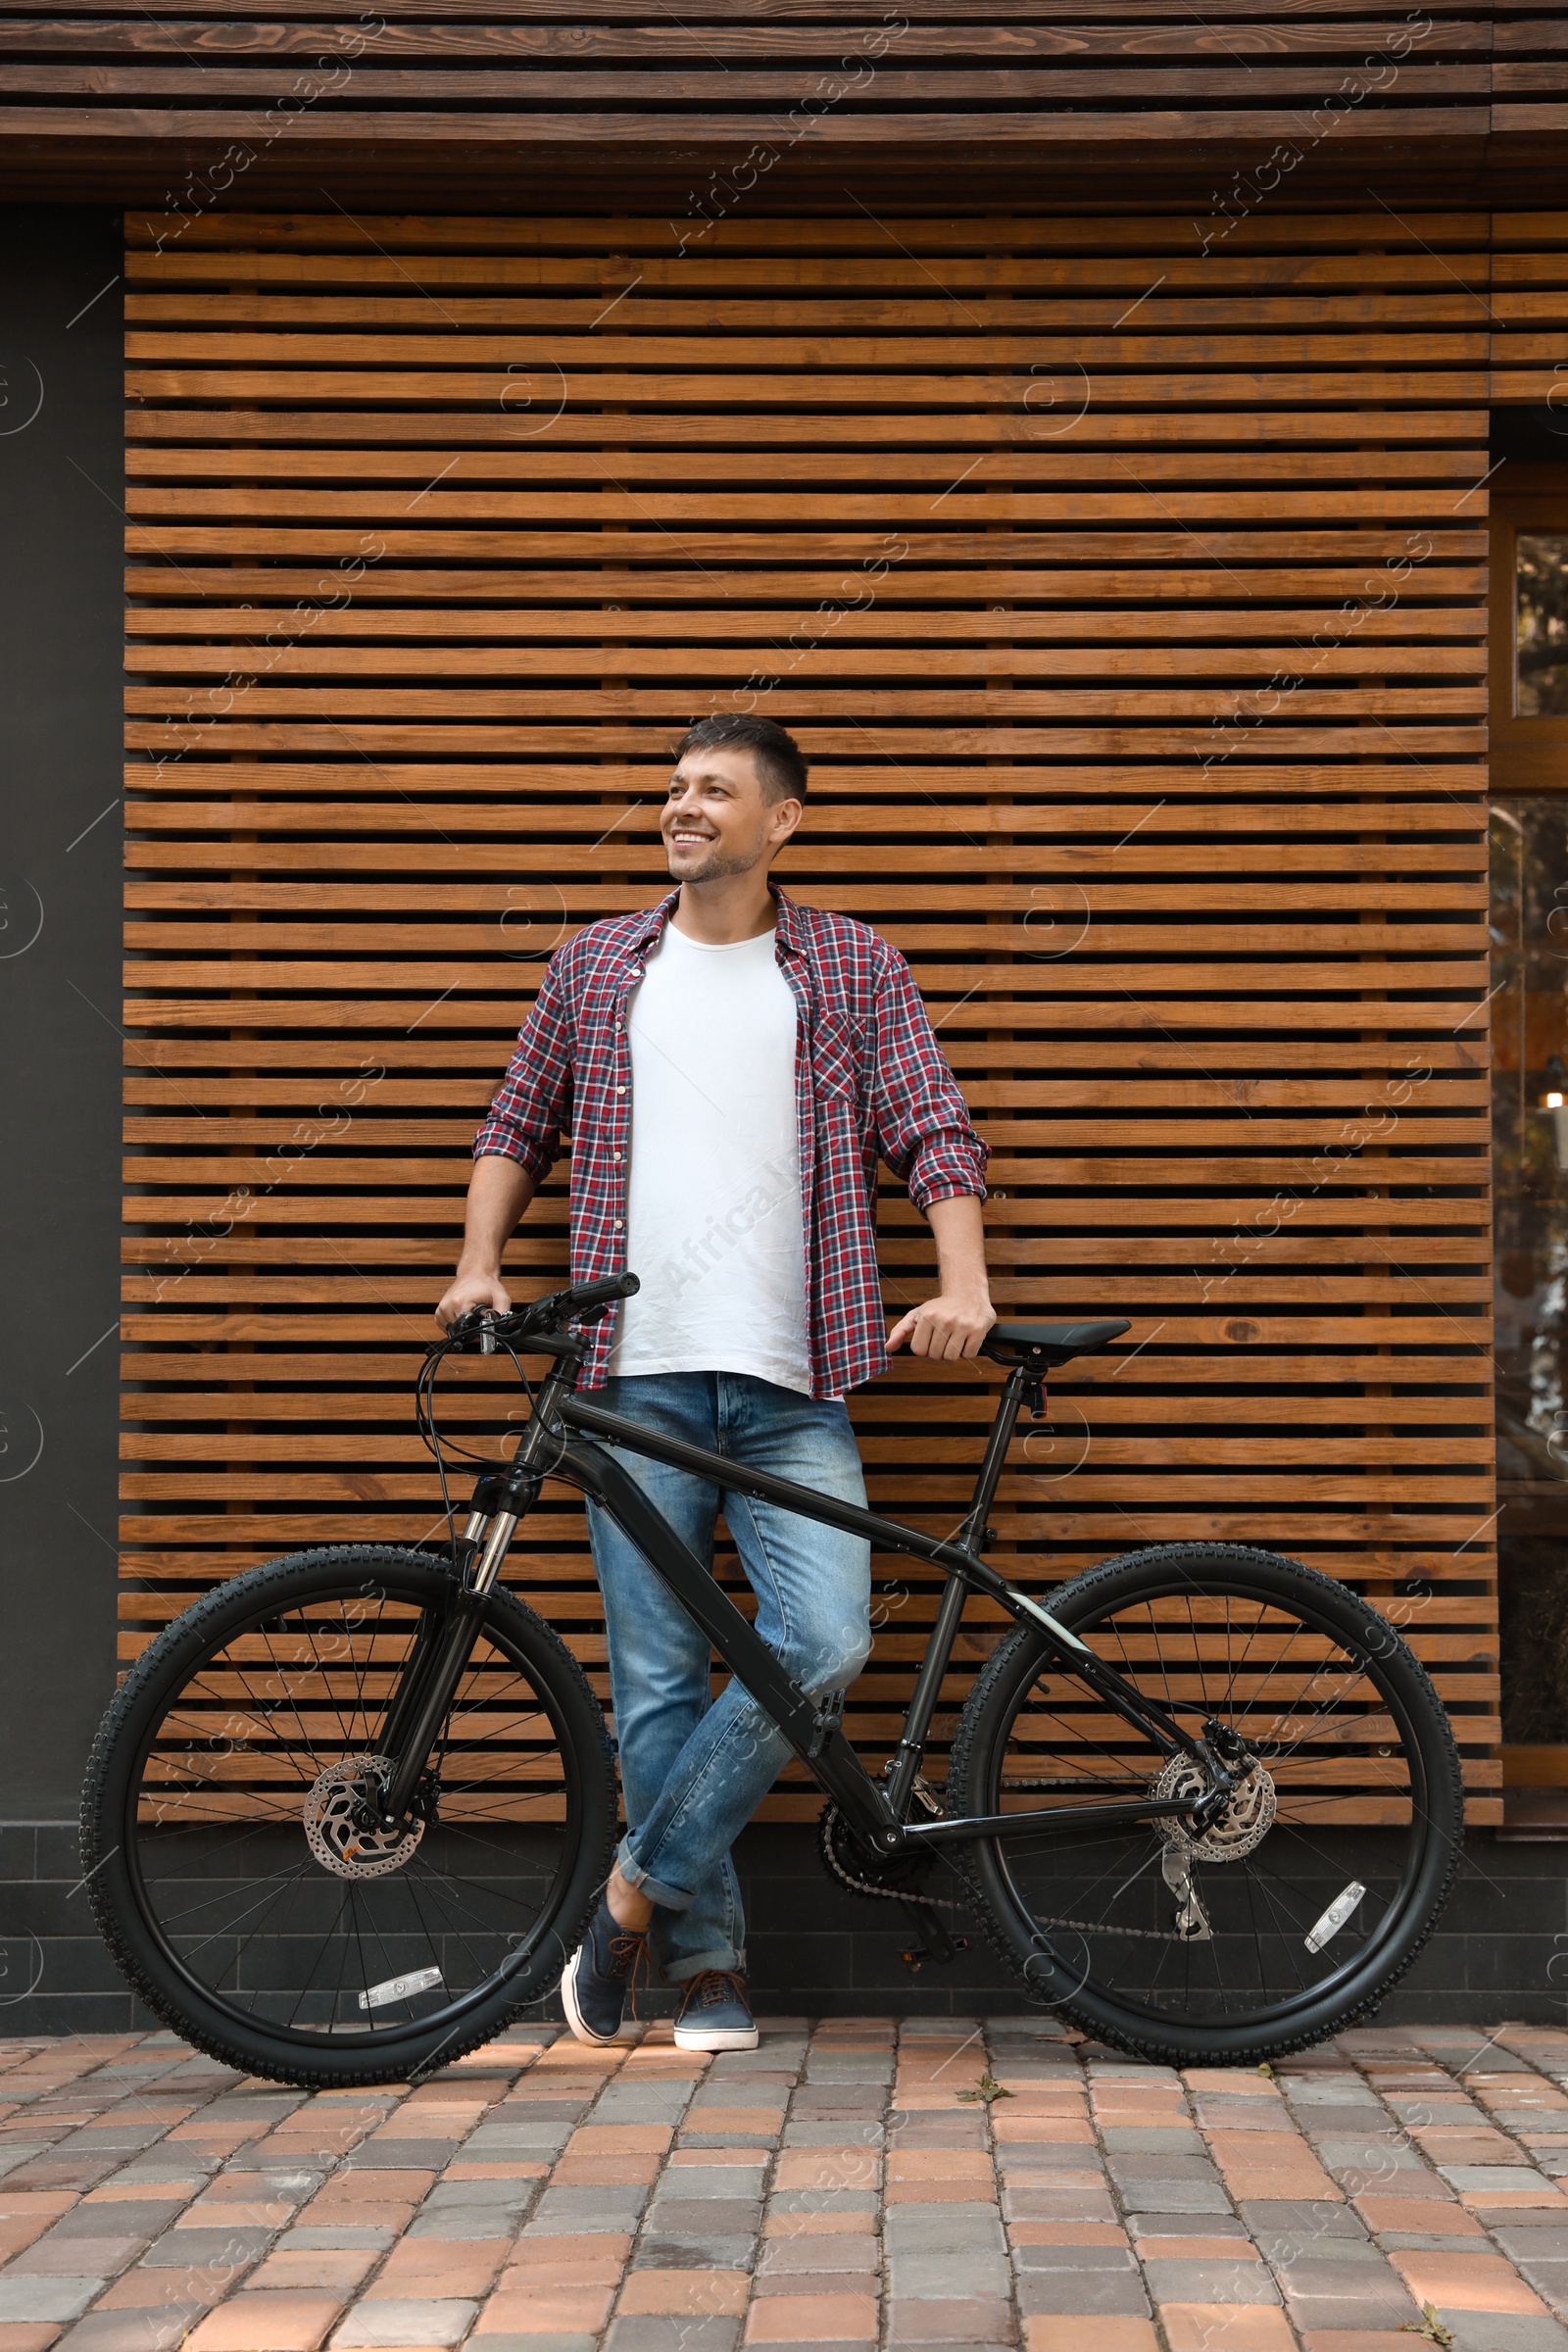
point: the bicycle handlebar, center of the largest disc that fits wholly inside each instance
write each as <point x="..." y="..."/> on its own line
<point x="479" y="1329"/>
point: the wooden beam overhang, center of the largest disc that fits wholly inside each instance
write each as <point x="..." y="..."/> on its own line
<point x="609" y="104"/>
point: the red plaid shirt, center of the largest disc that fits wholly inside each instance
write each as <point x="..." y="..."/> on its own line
<point x="870" y="1080"/>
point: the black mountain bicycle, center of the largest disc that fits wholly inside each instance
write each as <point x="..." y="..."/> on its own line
<point x="349" y="1814"/>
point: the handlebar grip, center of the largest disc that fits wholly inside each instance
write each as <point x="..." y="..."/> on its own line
<point x="604" y="1293"/>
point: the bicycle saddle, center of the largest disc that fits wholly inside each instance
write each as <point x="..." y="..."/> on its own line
<point x="1040" y="1345"/>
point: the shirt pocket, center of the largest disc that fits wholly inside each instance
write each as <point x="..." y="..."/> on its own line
<point x="837" y="1052"/>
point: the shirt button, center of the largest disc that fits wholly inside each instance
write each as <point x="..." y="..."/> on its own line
<point x="621" y="1089"/>
<point x="619" y="1223"/>
<point x="618" y="1156"/>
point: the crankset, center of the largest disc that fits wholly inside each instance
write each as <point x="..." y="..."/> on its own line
<point x="896" y="1879"/>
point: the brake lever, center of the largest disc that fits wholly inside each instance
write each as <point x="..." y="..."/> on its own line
<point x="474" y="1332"/>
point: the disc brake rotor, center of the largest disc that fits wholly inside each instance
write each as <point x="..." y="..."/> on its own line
<point x="1232" y="1834"/>
<point x="333" y="1834"/>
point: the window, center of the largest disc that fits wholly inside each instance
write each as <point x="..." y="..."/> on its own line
<point x="1540" y="625"/>
<point x="1528" y="666"/>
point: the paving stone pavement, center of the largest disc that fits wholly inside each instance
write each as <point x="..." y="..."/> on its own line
<point x="842" y="2187"/>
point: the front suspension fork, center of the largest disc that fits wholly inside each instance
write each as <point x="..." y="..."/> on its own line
<point x="441" y="1651"/>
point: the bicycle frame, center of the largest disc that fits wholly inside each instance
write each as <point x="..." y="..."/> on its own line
<point x="567" y="1437"/>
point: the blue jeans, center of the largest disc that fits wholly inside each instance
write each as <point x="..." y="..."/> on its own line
<point x="693" y="1768"/>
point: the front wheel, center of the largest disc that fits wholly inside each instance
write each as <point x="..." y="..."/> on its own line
<point x="225" y="1847"/>
<point x="1301" y="1904"/>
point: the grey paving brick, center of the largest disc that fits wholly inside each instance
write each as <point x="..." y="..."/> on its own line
<point x="1549" y="2280"/>
<point x="242" y="2243"/>
<point x="643" y="2103"/>
<point x="1153" y="2164"/>
<point x="1297" y="2249"/>
<point x="406" y="2320"/>
<point x="1117" y="2294"/>
<point x="1155" y="2140"/>
<point x="565" y="2211"/>
<point x="947" y="2273"/>
<point x="1155" y="2224"/>
<point x="1284" y="2222"/>
<point x="394" y="2155"/>
<point x="1503" y="2331"/>
<point x="1209" y="2280"/>
<point x="965" y="2318"/>
<point x="311" y="2237"/>
<point x="720" y="2181"/>
<point x="123" y="2215"/>
<point x="1346" y="2294"/>
<point x="1049" y="2156"/>
<point x="1174" y="2196"/>
<point x="823" y="2200"/>
<point x="459" y="2223"/>
<point x="494" y="2340"/>
<point x="644" y="2332"/>
<point x="468" y="2193"/>
<point x="23" y="2298"/>
<point x="831" y="2134"/>
<point x="159" y="2330"/>
<point x="679" y="2216"/>
<point x="1073" y="2258"/>
<point x="1509" y="2180"/>
<point x="854" y="2255"/>
<point x="62" y="2257"/>
<point x="493" y="2144"/>
<point x="677" y="2250"/>
<point x="964" y="2225"/>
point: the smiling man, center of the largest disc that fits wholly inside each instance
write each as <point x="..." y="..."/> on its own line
<point x="731" y="1067"/>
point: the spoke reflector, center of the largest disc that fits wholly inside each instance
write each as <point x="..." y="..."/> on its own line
<point x="398" y="1988"/>
<point x="1335" y="1917"/>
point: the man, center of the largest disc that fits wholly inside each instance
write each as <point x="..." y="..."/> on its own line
<point x="731" y="1067"/>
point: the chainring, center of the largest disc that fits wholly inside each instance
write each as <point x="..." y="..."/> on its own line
<point x="895" y="1882"/>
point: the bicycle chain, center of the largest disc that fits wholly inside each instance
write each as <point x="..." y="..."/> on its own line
<point x="840" y="1871"/>
<point x="934" y="1903"/>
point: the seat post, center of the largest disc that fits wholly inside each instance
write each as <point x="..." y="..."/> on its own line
<point x="973" y="1531"/>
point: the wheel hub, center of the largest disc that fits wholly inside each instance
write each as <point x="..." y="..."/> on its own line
<point x="335" y="1835"/>
<point x="1233" y="1834"/>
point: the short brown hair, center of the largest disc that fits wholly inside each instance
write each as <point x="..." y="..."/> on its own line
<point x="781" y="767"/>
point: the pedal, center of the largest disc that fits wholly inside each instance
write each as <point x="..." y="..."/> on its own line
<point x="937" y="1943"/>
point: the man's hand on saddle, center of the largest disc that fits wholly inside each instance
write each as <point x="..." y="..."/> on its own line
<point x="945" y="1328"/>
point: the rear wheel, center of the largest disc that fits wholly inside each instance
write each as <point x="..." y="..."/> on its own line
<point x="1300" y="1906"/>
<point x="242" y="1897"/>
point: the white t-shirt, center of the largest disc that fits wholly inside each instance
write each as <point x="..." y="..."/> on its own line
<point x="713" y="1192"/>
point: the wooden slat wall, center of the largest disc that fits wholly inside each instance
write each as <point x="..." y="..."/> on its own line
<point x="210" y="100"/>
<point x="1130" y="607"/>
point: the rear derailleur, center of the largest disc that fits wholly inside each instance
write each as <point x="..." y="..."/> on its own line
<point x="894" y="1878"/>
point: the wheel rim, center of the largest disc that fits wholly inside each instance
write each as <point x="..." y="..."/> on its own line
<point x="1335" y="1741"/>
<point x="232" y="1821"/>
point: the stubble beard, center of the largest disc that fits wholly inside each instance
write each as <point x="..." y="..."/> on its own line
<point x="715" y="868"/>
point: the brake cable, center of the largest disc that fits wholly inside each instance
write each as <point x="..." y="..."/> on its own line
<point x="430" y="1434"/>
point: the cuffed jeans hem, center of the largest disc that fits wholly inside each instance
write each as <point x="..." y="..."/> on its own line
<point x="669" y="1898"/>
<point x="681" y="1971"/>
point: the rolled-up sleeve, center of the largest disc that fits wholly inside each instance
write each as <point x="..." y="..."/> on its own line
<point x="533" y="1103"/>
<point x="922" y="1124"/>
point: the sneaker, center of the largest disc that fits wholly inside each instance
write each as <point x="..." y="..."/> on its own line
<point x="714" y="2015"/>
<point x="598" y="1977"/>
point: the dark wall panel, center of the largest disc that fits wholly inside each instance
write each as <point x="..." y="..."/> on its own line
<point x="60" y="636"/>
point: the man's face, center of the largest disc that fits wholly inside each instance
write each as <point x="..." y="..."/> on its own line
<point x="717" y="820"/>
